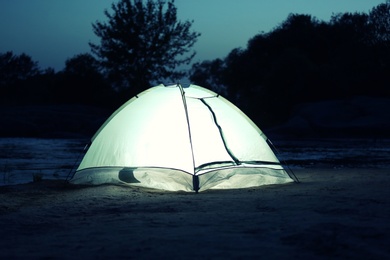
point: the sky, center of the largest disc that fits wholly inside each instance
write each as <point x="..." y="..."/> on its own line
<point x="52" y="31"/>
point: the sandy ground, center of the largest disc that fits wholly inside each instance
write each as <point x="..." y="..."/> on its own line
<point x="332" y="213"/>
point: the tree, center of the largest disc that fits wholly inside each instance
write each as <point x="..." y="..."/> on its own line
<point x="380" y="20"/>
<point x="15" y="68"/>
<point x="142" y="43"/>
<point x="82" y="82"/>
<point x="82" y="65"/>
<point x="305" y="60"/>
<point x="209" y="75"/>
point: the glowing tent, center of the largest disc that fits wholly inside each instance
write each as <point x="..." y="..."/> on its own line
<point x="175" y="138"/>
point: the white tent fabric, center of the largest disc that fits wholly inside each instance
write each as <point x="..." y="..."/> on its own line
<point x="175" y="138"/>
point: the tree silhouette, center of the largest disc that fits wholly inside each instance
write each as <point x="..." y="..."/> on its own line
<point x="209" y="74"/>
<point x="14" y="68"/>
<point x="305" y="60"/>
<point x="82" y="82"/>
<point x="380" y="21"/>
<point x="142" y="43"/>
<point x="82" y="65"/>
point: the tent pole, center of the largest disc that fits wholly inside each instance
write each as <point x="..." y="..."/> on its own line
<point x="236" y="161"/>
<point x="77" y="159"/>
<point x="292" y="175"/>
<point x="195" y="178"/>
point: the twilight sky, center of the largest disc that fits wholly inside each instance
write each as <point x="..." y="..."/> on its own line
<point x="51" y="31"/>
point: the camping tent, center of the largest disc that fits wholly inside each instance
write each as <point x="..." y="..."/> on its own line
<point x="176" y="138"/>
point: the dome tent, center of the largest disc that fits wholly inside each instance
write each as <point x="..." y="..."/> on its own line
<point x="175" y="138"/>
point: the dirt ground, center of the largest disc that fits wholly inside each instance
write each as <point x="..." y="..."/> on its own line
<point x="332" y="213"/>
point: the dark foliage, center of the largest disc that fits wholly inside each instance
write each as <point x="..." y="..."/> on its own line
<point x="14" y="68"/>
<point x="81" y="82"/>
<point x="143" y="42"/>
<point x="303" y="60"/>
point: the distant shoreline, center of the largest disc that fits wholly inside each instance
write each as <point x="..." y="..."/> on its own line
<point x="356" y="117"/>
<point x="51" y="121"/>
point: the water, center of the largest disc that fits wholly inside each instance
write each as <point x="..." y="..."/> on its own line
<point x="23" y="158"/>
<point x="335" y="153"/>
